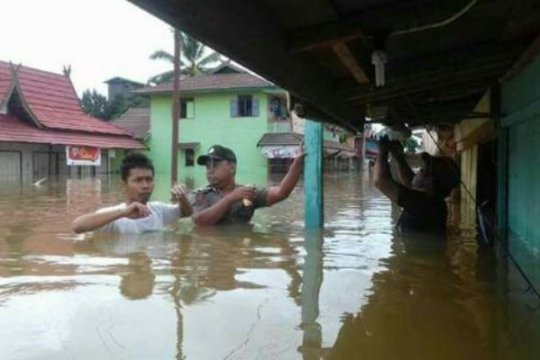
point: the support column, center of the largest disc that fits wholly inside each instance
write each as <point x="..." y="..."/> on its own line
<point x="313" y="174"/>
<point x="312" y="278"/>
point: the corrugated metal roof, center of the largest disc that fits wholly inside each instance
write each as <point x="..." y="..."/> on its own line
<point x="136" y="121"/>
<point x="14" y="130"/>
<point x="211" y="82"/>
<point x="280" y="139"/>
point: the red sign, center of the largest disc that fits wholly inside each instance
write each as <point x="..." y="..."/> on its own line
<point x="83" y="155"/>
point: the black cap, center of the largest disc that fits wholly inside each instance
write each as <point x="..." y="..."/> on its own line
<point x="217" y="152"/>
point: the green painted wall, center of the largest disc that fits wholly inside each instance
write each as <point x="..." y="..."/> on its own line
<point x="210" y="124"/>
<point x="520" y="106"/>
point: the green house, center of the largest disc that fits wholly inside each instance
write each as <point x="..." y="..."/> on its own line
<point x="229" y="107"/>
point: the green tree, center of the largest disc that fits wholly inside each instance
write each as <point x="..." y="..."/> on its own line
<point x="117" y="106"/>
<point x="195" y="60"/>
<point x="95" y="104"/>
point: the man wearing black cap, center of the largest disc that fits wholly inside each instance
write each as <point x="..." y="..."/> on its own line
<point x="422" y="195"/>
<point x="225" y="202"/>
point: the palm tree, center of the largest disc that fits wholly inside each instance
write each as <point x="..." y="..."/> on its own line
<point x="194" y="61"/>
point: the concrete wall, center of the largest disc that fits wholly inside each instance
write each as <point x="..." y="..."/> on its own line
<point x="210" y="124"/>
<point x="31" y="162"/>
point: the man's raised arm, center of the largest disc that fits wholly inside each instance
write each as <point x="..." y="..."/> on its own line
<point x="286" y="186"/>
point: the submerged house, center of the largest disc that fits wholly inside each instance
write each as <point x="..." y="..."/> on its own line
<point x="42" y="126"/>
<point x="230" y="107"/>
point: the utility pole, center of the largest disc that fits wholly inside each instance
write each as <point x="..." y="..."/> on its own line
<point x="175" y="106"/>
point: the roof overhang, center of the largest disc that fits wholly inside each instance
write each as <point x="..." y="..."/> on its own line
<point x="15" y="130"/>
<point x="442" y="56"/>
<point x="190" y="145"/>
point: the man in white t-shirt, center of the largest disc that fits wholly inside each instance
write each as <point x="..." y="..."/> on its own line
<point x="137" y="214"/>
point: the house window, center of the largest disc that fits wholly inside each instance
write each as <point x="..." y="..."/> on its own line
<point x="244" y="106"/>
<point x="187" y="108"/>
<point x="277" y="109"/>
<point x="189" y="157"/>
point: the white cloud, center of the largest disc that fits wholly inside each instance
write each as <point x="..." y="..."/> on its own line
<point x="100" y="39"/>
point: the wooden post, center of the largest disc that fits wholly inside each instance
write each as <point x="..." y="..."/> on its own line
<point x="313" y="175"/>
<point x="175" y="107"/>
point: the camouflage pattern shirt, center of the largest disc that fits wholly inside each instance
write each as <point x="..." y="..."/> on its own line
<point x="206" y="197"/>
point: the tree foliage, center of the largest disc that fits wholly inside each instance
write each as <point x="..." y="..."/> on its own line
<point x="97" y="105"/>
<point x="196" y="59"/>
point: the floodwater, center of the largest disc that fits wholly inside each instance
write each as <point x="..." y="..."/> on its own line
<point x="358" y="290"/>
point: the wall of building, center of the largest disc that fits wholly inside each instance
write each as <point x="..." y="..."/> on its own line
<point x="211" y="124"/>
<point x="31" y="162"/>
<point x="519" y="136"/>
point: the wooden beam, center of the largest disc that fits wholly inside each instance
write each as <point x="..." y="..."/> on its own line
<point x="424" y="82"/>
<point x="525" y="59"/>
<point x="324" y="35"/>
<point x="347" y="58"/>
<point x="451" y="111"/>
<point x="403" y="73"/>
<point x="401" y="15"/>
<point x="397" y="16"/>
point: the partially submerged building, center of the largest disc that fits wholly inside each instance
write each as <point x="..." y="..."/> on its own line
<point x="231" y="107"/>
<point x="41" y="120"/>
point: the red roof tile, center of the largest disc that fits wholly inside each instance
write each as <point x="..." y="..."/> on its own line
<point x="211" y="82"/>
<point x="15" y="130"/>
<point x="53" y="101"/>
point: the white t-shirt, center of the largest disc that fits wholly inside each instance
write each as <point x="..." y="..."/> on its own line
<point x="161" y="215"/>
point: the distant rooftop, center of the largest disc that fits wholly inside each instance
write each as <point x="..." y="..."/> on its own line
<point x="223" y="78"/>
<point x="121" y="80"/>
<point x="135" y="120"/>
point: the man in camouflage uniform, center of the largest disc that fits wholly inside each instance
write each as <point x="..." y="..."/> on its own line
<point x="223" y="201"/>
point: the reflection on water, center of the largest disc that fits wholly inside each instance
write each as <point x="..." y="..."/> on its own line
<point x="266" y="291"/>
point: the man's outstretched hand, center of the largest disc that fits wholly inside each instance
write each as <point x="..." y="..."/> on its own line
<point x="179" y="192"/>
<point x="136" y="210"/>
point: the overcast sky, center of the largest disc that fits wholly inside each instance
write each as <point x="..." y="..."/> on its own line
<point x="100" y="39"/>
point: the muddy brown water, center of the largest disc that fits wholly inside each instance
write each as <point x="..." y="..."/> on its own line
<point x="358" y="290"/>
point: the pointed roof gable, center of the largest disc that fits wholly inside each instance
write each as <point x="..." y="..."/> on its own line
<point x="49" y="102"/>
<point x="52" y="102"/>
